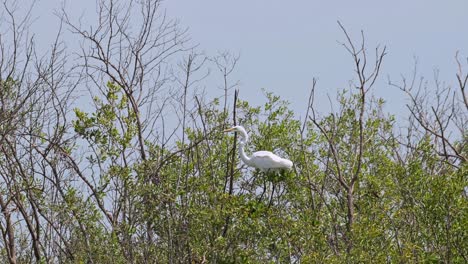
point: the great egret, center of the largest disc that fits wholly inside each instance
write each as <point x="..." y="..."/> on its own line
<point x="263" y="160"/>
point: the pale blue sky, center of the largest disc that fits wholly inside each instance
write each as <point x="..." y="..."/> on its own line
<point x="284" y="44"/>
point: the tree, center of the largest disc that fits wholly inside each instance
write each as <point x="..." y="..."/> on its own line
<point x="137" y="169"/>
<point x="35" y="92"/>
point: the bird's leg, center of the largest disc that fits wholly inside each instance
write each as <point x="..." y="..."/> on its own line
<point x="271" y="196"/>
<point x="264" y="189"/>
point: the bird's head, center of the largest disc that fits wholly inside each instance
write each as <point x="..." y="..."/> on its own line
<point x="234" y="129"/>
<point x="239" y="129"/>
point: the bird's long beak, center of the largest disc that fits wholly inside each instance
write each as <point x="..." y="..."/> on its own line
<point x="228" y="130"/>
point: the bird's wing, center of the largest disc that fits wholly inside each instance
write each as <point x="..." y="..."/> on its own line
<point x="268" y="160"/>
<point x="266" y="155"/>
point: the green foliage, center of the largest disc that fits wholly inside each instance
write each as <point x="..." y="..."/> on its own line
<point x="175" y="205"/>
<point x="300" y="214"/>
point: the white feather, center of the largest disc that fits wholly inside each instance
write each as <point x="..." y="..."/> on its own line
<point x="264" y="160"/>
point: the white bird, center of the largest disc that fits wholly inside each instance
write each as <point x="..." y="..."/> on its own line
<point x="263" y="160"/>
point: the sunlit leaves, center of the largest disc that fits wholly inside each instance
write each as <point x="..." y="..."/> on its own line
<point x="409" y="209"/>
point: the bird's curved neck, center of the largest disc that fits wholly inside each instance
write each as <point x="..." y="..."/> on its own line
<point x="242" y="154"/>
<point x="244" y="135"/>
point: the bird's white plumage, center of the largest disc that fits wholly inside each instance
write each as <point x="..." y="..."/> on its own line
<point x="266" y="160"/>
<point x="263" y="160"/>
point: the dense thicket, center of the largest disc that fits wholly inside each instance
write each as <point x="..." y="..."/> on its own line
<point x="111" y="154"/>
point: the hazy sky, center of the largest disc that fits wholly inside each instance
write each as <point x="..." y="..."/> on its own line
<point x="284" y="44"/>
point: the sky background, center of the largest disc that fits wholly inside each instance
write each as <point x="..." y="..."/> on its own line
<point x="283" y="45"/>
